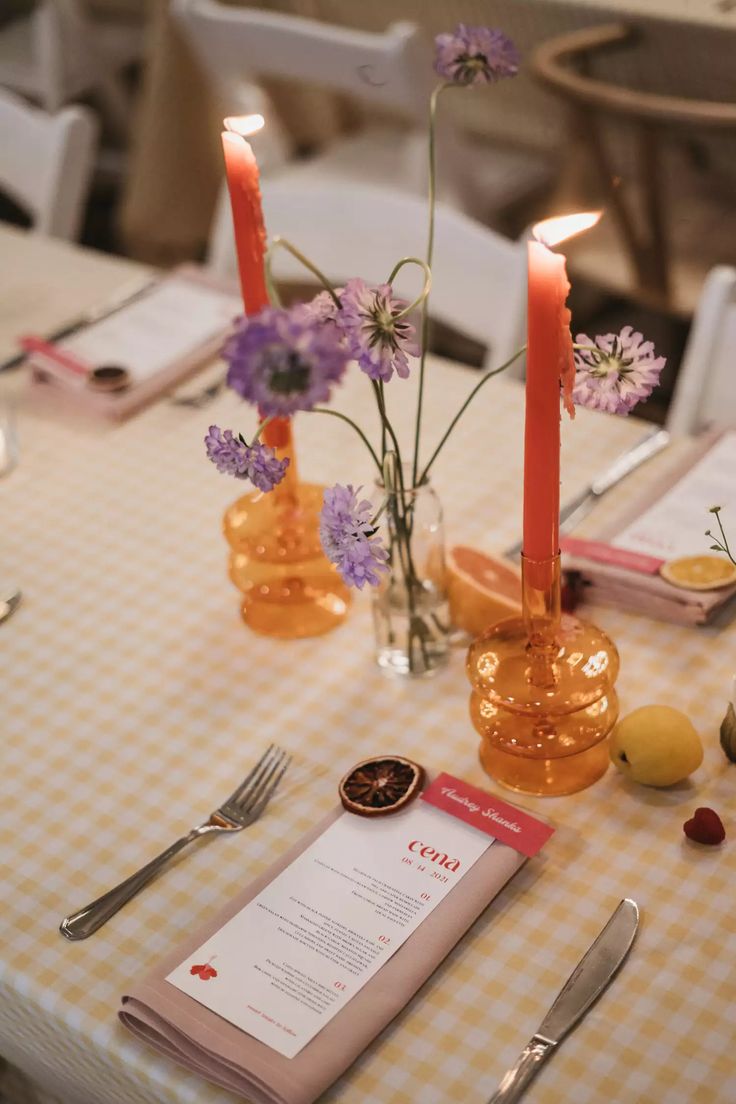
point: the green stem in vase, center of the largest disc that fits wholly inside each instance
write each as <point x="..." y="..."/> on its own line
<point x="356" y="427"/>
<point x="284" y="243"/>
<point x="484" y="379"/>
<point x="430" y="251"/>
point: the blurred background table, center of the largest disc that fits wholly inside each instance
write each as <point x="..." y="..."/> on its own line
<point x="133" y="697"/>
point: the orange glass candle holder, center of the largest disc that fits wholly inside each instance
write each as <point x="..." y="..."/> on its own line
<point x="543" y="696"/>
<point x="289" y="587"/>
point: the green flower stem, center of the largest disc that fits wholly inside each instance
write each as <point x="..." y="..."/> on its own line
<point x="425" y="290"/>
<point x="356" y="427"/>
<point x="284" y="243"/>
<point x="262" y="426"/>
<point x="378" y="390"/>
<point x="722" y="544"/>
<point x="463" y="408"/>
<point x="430" y="251"/>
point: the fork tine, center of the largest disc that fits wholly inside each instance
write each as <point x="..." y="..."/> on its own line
<point x="268" y="790"/>
<point x="252" y="794"/>
<point x="238" y="792"/>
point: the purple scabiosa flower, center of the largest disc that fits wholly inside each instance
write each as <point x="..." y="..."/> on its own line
<point x="475" y="55"/>
<point x="284" y="360"/>
<point x="349" y="538"/>
<point x="615" y="372"/>
<point x="226" y="451"/>
<point x="263" y="467"/>
<point x="376" y="338"/>
<point x="256" y="462"/>
<point x="322" y="308"/>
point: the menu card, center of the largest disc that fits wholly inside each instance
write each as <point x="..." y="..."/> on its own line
<point x="290" y="960"/>
<point x="674" y="524"/>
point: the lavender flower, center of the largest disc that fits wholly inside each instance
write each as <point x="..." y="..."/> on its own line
<point x="322" y="308"/>
<point x="284" y="360"/>
<point x="475" y="55"/>
<point x="256" y="462"/>
<point x="226" y="451"/>
<point x="376" y="338"/>
<point x="615" y="372"/>
<point x="349" y="538"/>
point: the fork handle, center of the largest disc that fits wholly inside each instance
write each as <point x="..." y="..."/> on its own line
<point x="82" y="924"/>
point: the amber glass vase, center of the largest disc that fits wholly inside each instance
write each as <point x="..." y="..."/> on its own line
<point x="543" y="696"/>
<point x="289" y="588"/>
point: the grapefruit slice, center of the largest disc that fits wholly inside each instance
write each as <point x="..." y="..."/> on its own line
<point x="481" y="589"/>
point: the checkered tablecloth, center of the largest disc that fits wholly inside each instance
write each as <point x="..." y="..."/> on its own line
<point x="133" y="698"/>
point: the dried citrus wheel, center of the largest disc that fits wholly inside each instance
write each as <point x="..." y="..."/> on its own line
<point x="379" y="786"/>
<point x="699" y="572"/>
<point x="481" y="589"/>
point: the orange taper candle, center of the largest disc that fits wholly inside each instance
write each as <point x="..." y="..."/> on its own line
<point x="250" y="233"/>
<point x="547" y="291"/>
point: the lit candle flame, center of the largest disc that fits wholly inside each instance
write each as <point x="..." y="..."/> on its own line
<point x="244" y="125"/>
<point x="553" y="231"/>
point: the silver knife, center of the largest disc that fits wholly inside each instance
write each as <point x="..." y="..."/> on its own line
<point x="579" y="507"/>
<point x="590" y="977"/>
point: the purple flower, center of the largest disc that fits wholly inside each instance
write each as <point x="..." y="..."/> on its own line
<point x="376" y="338"/>
<point x="615" y="372"/>
<point x="284" y="360"/>
<point x="349" y="538"/>
<point x="475" y="55"/>
<point x="226" y="451"/>
<point x="256" y="462"/>
<point x="322" y="308"/>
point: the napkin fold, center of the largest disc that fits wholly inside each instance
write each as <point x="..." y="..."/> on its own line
<point x="179" y="1027"/>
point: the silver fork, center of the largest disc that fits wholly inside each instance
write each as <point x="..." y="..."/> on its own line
<point x="242" y="808"/>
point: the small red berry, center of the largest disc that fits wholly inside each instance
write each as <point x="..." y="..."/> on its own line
<point x="705" y="827"/>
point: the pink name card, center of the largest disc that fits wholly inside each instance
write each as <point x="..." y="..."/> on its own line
<point x="488" y="814"/>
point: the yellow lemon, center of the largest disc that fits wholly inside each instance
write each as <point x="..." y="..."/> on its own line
<point x="699" y="572"/>
<point x="656" y="745"/>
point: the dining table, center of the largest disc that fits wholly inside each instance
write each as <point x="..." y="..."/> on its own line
<point x="134" y="699"/>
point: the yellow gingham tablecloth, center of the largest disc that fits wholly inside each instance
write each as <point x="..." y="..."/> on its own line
<point x="133" y="699"/>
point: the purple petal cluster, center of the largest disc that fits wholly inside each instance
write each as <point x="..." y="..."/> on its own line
<point x="256" y="462"/>
<point x="375" y="336"/>
<point x="475" y="55"/>
<point x="349" y="539"/>
<point x="615" y="372"/>
<point x="284" y="360"/>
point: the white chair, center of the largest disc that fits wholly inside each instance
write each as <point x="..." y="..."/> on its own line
<point x="58" y="53"/>
<point x="479" y="277"/>
<point x="388" y="71"/>
<point x="705" y="389"/>
<point x="46" y="162"/>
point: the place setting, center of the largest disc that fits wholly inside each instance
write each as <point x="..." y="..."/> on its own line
<point x="395" y="549"/>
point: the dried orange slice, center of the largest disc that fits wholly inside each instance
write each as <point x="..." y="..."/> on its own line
<point x="699" y="572"/>
<point x="481" y="589"/>
<point x="379" y="786"/>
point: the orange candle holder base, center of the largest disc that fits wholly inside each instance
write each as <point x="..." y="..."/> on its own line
<point x="543" y="698"/>
<point x="289" y="588"/>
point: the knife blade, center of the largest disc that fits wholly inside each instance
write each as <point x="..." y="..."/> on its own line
<point x="579" y="507"/>
<point x="591" y="976"/>
<point x="9" y="605"/>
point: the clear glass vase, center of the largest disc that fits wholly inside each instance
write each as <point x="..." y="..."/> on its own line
<point x="411" y="615"/>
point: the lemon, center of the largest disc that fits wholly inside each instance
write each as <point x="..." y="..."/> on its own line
<point x="656" y="745"/>
<point x="699" y="572"/>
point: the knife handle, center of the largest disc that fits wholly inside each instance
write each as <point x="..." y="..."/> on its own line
<point x="518" y="1078"/>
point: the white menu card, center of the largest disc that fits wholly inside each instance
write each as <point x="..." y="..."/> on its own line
<point x="675" y="524"/>
<point x="283" y="966"/>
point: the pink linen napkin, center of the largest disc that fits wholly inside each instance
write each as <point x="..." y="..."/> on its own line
<point x="179" y="1027"/>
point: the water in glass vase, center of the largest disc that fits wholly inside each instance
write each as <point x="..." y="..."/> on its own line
<point x="411" y="615"/>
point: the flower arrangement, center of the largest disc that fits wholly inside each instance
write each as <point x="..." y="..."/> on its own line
<point x="288" y="360"/>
